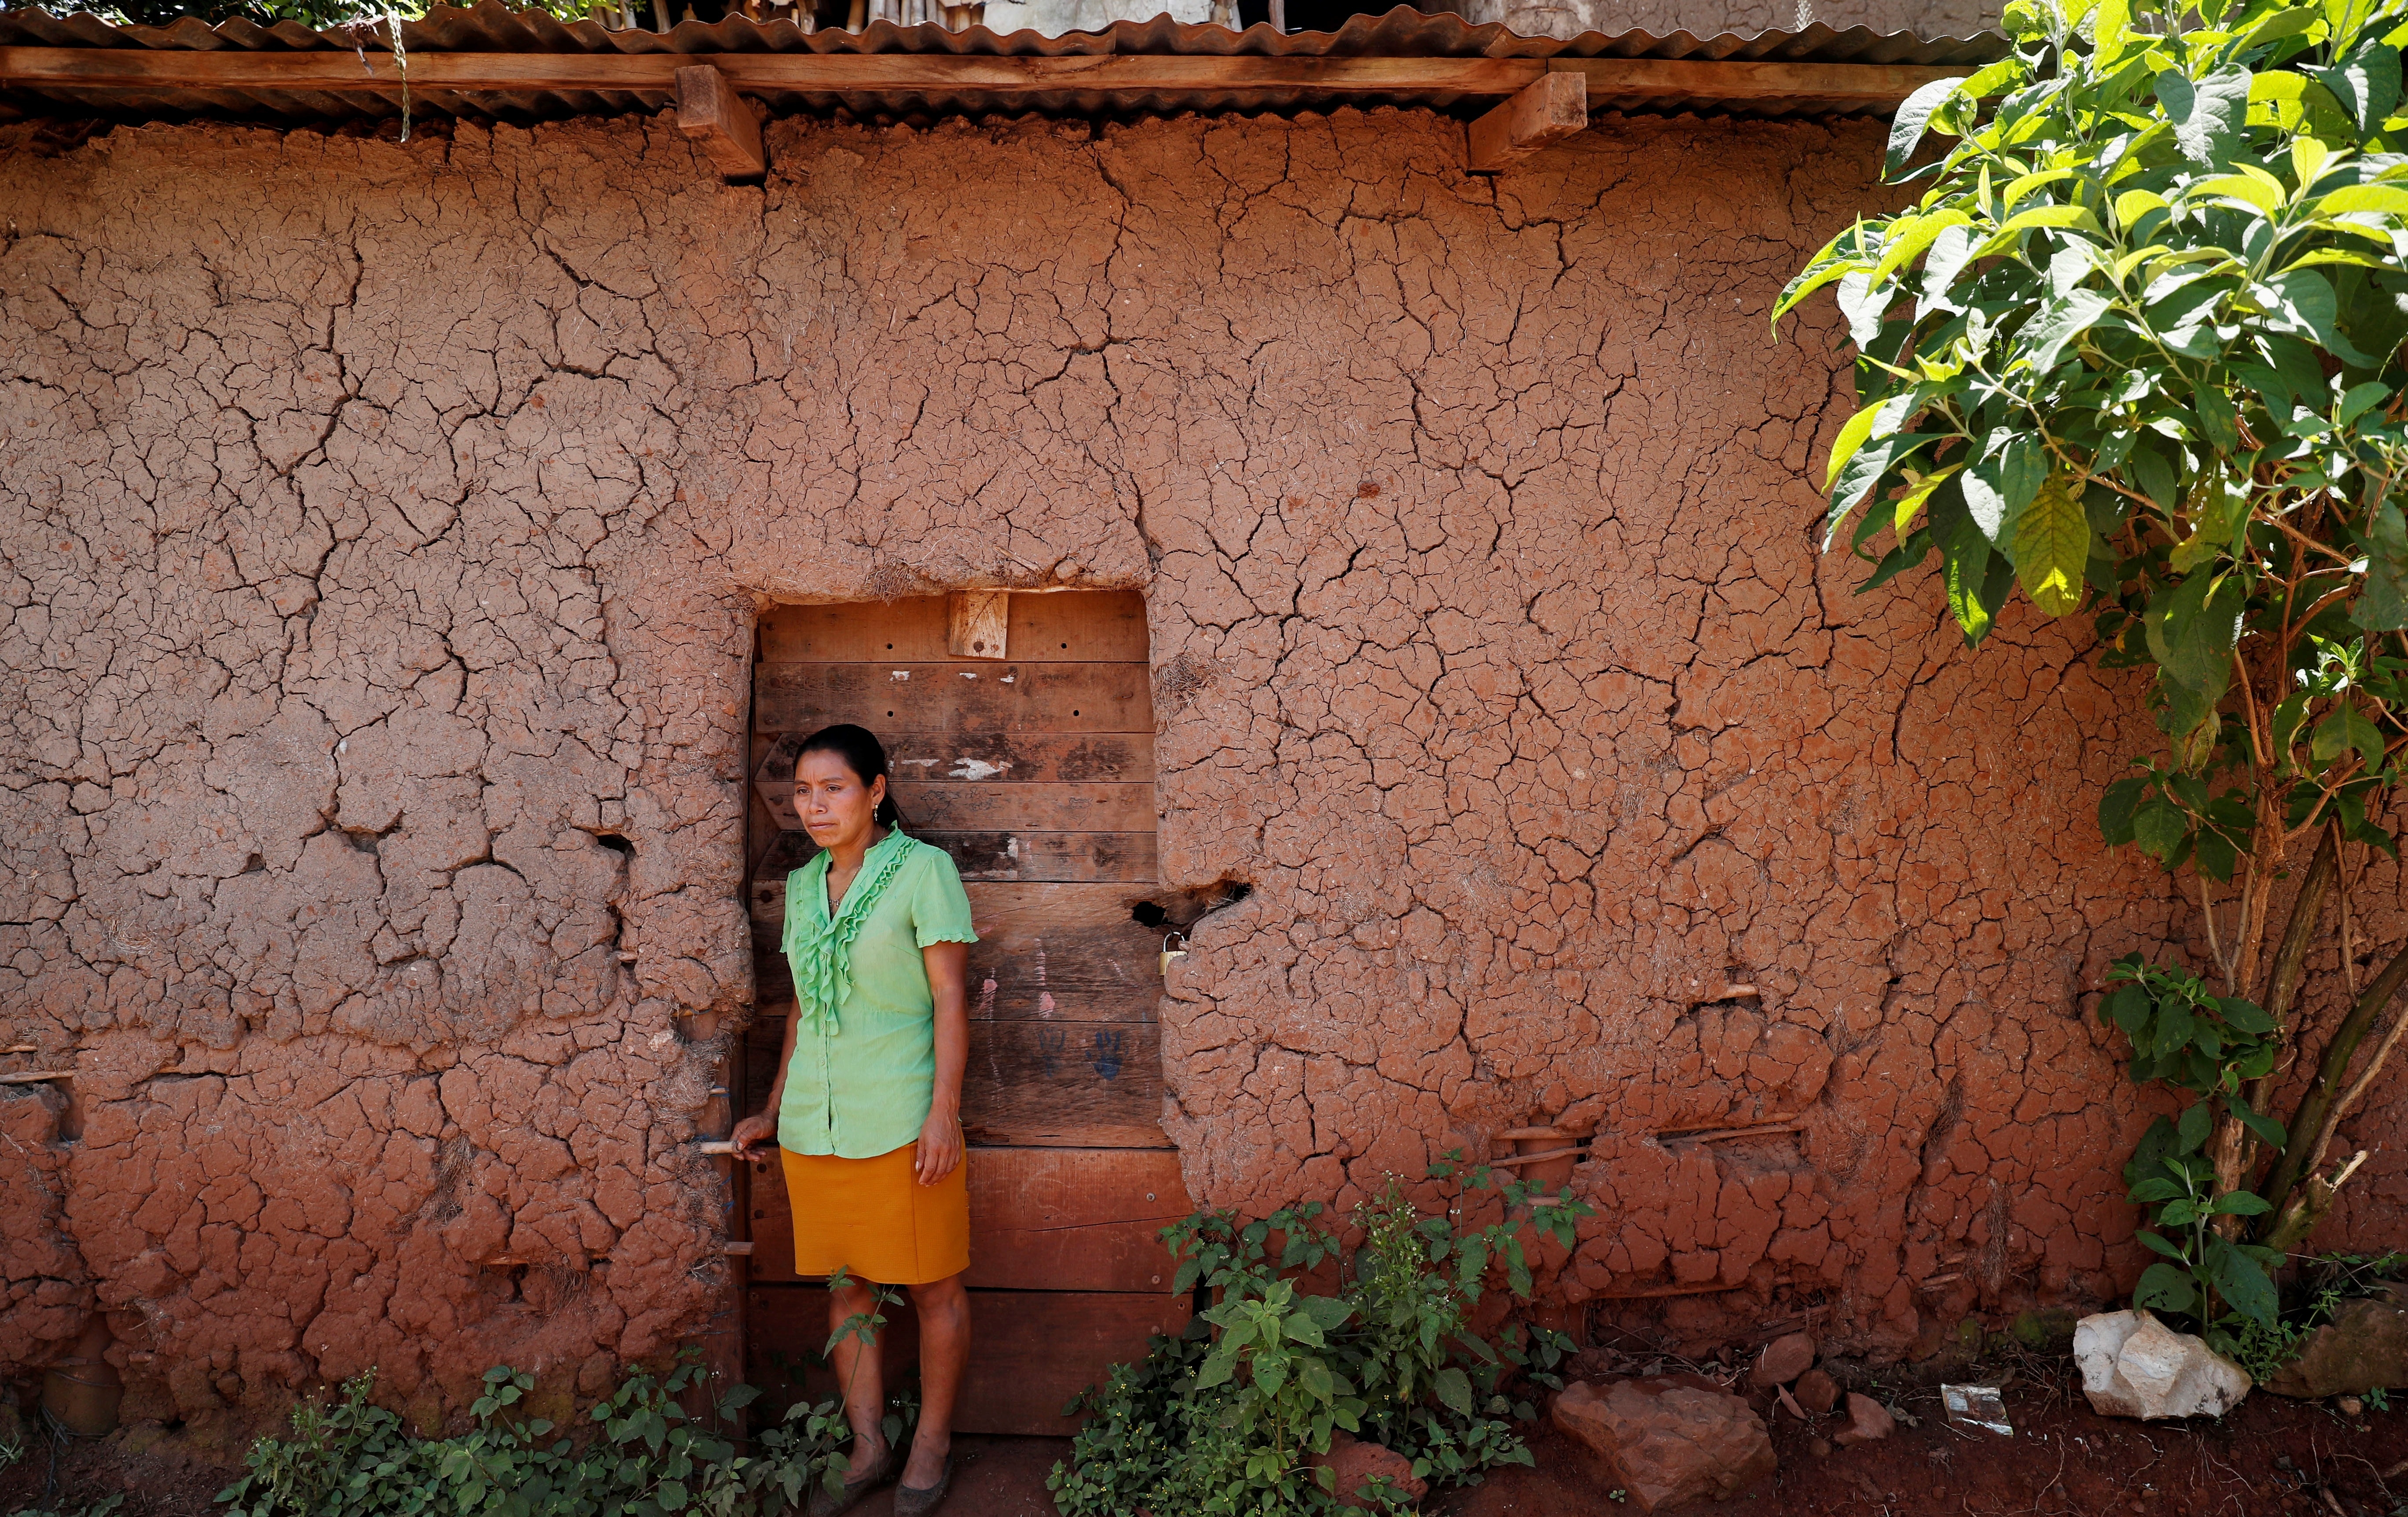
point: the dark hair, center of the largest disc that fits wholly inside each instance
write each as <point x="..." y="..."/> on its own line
<point x="865" y="755"/>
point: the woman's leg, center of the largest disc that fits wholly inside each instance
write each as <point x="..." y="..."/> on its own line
<point x="858" y="1371"/>
<point x="944" y="1310"/>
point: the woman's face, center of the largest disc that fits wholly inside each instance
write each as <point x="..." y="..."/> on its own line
<point x="837" y="807"/>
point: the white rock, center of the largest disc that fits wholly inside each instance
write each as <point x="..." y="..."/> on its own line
<point x="2135" y="1366"/>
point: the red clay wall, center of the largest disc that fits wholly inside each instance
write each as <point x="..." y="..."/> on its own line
<point x="382" y="529"/>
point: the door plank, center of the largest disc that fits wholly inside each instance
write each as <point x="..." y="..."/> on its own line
<point x="946" y="698"/>
<point x="1124" y="858"/>
<point x="1025" y="808"/>
<point x="1030" y="1351"/>
<point x="1073" y="994"/>
<point x="970" y="757"/>
<point x="1058" y="1084"/>
<point x="1058" y="1079"/>
<point x="1098" y="626"/>
<point x="1055" y="1219"/>
<point x="1060" y="951"/>
<point x="1031" y="857"/>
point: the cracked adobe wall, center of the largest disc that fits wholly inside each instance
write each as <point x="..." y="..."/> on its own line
<point x="382" y="530"/>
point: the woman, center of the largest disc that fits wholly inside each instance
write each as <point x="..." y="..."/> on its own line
<point x="866" y="1104"/>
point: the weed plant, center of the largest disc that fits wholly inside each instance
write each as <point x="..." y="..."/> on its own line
<point x="1227" y="1417"/>
<point x="2329" y="1281"/>
<point x="645" y="1456"/>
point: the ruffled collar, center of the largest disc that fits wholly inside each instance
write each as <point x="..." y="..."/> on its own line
<point x="819" y="947"/>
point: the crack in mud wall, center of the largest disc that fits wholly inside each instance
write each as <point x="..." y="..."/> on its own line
<point x="383" y="527"/>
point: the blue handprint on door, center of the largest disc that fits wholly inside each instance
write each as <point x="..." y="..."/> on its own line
<point x="1107" y="1062"/>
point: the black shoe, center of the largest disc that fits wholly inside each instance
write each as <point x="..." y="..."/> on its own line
<point x="911" y="1501"/>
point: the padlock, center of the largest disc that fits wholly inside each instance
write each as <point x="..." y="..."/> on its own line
<point x="1171" y="956"/>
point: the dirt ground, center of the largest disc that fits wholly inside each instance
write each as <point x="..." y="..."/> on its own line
<point x="2271" y="1457"/>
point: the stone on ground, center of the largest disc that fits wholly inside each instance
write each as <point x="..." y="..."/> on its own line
<point x="1667" y="1439"/>
<point x="1783" y="1360"/>
<point x="2135" y="1366"/>
<point x="2364" y="1348"/>
<point x="1816" y="1391"/>
<point x="1868" y="1420"/>
<point x="1353" y="1464"/>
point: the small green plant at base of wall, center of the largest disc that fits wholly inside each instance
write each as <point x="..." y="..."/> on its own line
<point x="2210" y="1046"/>
<point x="2327" y="1282"/>
<point x="1227" y="1417"/>
<point x="649" y="1459"/>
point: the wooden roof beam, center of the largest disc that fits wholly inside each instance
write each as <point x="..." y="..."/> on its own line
<point x="89" y="71"/>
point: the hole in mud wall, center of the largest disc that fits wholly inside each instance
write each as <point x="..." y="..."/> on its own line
<point x="1019" y="735"/>
<point x="616" y="844"/>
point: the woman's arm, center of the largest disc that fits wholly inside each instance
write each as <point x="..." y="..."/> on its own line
<point x="940" y="1136"/>
<point x="764" y="1124"/>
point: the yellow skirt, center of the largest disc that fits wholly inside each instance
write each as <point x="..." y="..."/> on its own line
<point x="874" y="1220"/>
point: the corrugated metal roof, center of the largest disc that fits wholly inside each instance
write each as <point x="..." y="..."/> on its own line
<point x="491" y="28"/>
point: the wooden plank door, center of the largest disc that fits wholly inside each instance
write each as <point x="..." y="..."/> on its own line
<point x="1035" y="771"/>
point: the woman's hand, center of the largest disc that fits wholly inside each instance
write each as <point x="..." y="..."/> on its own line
<point x="940" y="1145"/>
<point x="753" y="1130"/>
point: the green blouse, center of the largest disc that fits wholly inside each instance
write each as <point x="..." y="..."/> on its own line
<point x="864" y="1065"/>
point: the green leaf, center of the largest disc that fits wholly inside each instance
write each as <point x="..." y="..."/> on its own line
<point x="2382" y="604"/>
<point x="2052" y="544"/>
<point x="2247" y="1016"/>
<point x="2149" y="1154"/>
<point x="2206" y="114"/>
<point x="2192" y="1128"/>
<point x="2156" y="1243"/>
<point x="2242" y="1204"/>
<point x="2382" y="199"/>
<point x="1454" y="1388"/>
<point x="2060" y="322"/>
<point x="2193" y="628"/>
<point x="2159" y="827"/>
<point x="1902" y="245"/>
<point x="2346" y="729"/>
<point x="2242" y="1280"/>
<point x="2001" y="485"/>
<point x="2165" y="1286"/>
<point x="1313" y="1376"/>
<point x="2117" y="805"/>
<point x="2308" y="306"/>
<point x="1912" y="120"/>
<point x="2367" y="84"/>
<point x="1966" y="575"/>
<point x="2269" y="1132"/>
<point x="1887" y="416"/>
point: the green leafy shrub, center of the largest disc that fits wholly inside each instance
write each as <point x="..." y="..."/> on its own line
<point x="2138" y="347"/>
<point x="1226" y="1417"/>
<point x="647" y="1458"/>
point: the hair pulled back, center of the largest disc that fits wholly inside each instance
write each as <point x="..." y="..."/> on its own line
<point x="865" y="755"/>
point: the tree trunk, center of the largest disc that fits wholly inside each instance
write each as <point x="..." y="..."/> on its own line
<point x="2232" y="1150"/>
<point x="2332" y="1080"/>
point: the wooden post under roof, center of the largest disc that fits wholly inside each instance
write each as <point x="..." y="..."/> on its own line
<point x="1548" y="110"/>
<point x="711" y="113"/>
